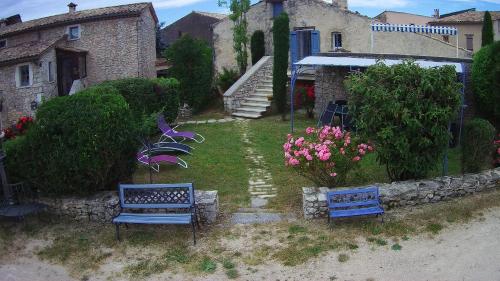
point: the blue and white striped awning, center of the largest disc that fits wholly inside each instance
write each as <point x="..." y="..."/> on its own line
<point x="385" y="27"/>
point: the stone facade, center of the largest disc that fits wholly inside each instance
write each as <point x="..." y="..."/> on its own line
<point x="327" y="18"/>
<point x="329" y="86"/>
<point x="410" y="193"/>
<point x="104" y="206"/>
<point x="247" y="84"/>
<point x="115" y="47"/>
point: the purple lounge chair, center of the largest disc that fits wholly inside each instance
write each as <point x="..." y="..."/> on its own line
<point x="172" y="134"/>
<point x="155" y="161"/>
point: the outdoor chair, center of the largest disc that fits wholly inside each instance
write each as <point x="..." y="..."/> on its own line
<point x="327" y="115"/>
<point x="173" y="135"/>
<point x="160" y="148"/>
<point x="23" y="203"/>
<point x="154" y="161"/>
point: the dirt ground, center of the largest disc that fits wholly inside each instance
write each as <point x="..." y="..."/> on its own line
<point x="460" y="252"/>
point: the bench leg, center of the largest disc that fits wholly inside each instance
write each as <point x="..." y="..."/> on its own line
<point x="117" y="227"/>
<point x="194" y="232"/>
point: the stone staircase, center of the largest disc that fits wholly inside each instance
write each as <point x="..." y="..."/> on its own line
<point x="257" y="102"/>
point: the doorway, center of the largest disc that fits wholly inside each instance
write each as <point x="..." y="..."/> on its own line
<point x="70" y="67"/>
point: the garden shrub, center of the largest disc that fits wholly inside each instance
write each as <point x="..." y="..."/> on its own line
<point x="326" y="156"/>
<point x="405" y="110"/>
<point x="479" y="136"/>
<point x="487" y="35"/>
<point x="281" y="31"/>
<point x="191" y="61"/>
<point x="486" y="82"/>
<point x="257" y="46"/>
<point x="79" y="144"/>
<point x="227" y="78"/>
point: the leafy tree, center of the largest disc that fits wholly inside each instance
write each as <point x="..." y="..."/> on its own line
<point x="239" y="9"/>
<point x="281" y="31"/>
<point x="405" y="111"/>
<point x="191" y="61"/>
<point x="257" y="46"/>
<point x="487" y="34"/>
<point x="486" y="82"/>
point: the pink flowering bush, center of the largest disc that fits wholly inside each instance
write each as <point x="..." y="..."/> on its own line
<point x="325" y="155"/>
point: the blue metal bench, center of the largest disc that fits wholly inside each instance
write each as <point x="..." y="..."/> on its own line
<point x="137" y="199"/>
<point x="354" y="202"/>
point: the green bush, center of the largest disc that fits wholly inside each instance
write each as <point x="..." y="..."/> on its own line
<point x="478" y="145"/>
<point x="191" y="61"/>
<point x="227" y="78"/>
<point x="486" y="82"/>
<point x="257" y="46"/>
<point x="281" y="31"/>
<point x="79" y="144"/>
<point x="405" y="110"/>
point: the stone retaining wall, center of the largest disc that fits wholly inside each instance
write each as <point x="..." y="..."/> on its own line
<point x="104" y="206"/>
<point x="410" y="193"/>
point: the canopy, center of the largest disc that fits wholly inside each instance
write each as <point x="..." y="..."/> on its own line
<point x="365" y="62"/>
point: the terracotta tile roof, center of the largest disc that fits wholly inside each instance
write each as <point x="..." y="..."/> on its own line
<point x="25" y="50"/>
<point x="467" y="17"/>
<point x="212" y="15"/>
<point x="78" y="16"/>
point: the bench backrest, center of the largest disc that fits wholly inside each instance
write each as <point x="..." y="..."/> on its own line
<point x="157" y="196"/>
<point x="358" y="198"/>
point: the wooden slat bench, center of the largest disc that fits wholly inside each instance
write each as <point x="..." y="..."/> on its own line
<point x="354" y="202"/>
<point x="138" y="198"/>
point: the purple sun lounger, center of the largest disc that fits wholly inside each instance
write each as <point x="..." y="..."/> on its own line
<point x="172" y="134"/>
<point x="155" y="161"/>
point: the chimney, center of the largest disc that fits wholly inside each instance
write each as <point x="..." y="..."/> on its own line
<point x="72" y="7"/>
<point x="341" y="4"/>
<point x="436" y="13"/>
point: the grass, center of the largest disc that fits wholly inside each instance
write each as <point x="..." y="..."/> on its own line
<point x="207" y="265"/>
<point x="396" y="247"/>
<point x="343" y="257"/>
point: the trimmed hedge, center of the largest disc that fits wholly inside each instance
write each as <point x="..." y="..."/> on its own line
<point x="281" y="33"/>
<point x="79" y="144"/>
<point x="257" y="46"/>
<point x="478" y="145"/>
<point x="486" y="82"/>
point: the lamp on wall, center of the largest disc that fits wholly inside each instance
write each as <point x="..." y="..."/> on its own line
<point x="34" y="105"/>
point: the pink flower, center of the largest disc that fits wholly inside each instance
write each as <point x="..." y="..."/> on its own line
<point x="309" y="157"/>
<point x="299" y="141"/>
<point x="289" y="136"/>
<point x="356" y="159"/>
<point x="370" y="148"/>
<point x="309" y="130"/>
<point x="293" y="162"/>
<point x="362" y="152"/>
<point x="287" y="146"/>
<point x="333" y="174"/>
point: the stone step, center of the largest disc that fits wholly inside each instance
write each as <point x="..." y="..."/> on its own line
<point x="255" y="104"/>
<point x="255" y="218"/>
<point x="257" y="99"/>
<point x="264" y="89"/>
<point x="250" y="109"/>
<point x="261" y="95"/>
<point x="265" y="196"/>
<point x="247" y="115"/>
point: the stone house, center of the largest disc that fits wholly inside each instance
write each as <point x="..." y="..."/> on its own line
<point x="196" y="24"/>
<point x="319" y="26"/>
<point x="395" y="17"/>
<point x="469" y="24"/>
<point x="56" y="55"/>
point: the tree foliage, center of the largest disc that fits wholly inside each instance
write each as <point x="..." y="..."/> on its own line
<point x="238" y="16"/>
<point x="487" y="32"/>
<point x="191" y="61"/>
<point x="281" y="33"/>
<point x="486" y="82"/>
<point x="478" y="145"/>
<point x="257" y="46"/>
<point x="405" y="111"/>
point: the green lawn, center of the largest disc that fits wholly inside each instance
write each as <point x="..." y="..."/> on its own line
<point x="220" y="164"/>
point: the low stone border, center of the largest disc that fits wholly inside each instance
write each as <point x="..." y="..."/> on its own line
<point x="104" y="206"/>
<point x="410" y="193"/>
<point x="209" y="121"/>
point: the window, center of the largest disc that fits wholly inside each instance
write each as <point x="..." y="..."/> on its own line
<point x="446" y="38"/>
<point x="470" y="42"/>
<point x="179" y="34"/>
<point x="24" y="75"/>
<point x="3" y="43"/>
<point x="336" y="40"/>
<point x="50" y="71"/>
<point x="74" y="32"/>
<point x="277" y="8"/>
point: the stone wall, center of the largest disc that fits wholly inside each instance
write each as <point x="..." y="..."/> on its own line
<point x="329" y="86"/>
<point x="104" y="206"/>
<point x="247" y="83"/>
<point x="410" y="193"/>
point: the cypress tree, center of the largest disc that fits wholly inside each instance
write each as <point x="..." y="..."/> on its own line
<point x="487" y="36"/>
<point x="281" y="34"/>
<point x="257" y="46"/>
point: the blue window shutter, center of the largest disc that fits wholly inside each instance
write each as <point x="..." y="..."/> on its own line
<point x="277" y="9"/>
<point x="315" y="46"/>
<point x="294" y="56"/>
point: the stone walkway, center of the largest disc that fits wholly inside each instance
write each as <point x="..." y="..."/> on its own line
<point x="209" y="121"/>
